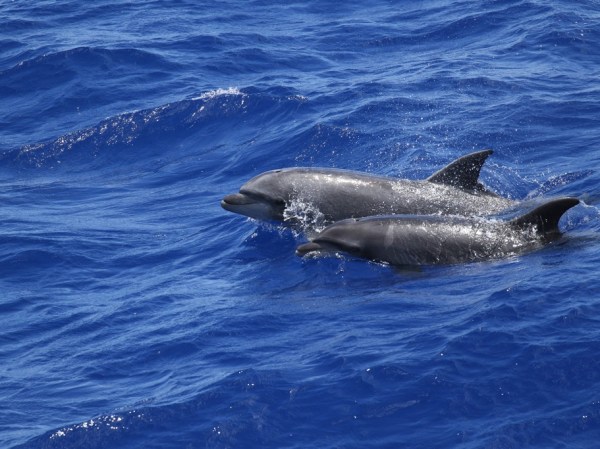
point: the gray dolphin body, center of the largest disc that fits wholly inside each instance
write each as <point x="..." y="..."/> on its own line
<point x="339" y="194"/>
<point x="427" y="240"/>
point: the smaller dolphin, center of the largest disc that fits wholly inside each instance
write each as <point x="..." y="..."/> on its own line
<point x="332" y="195"/>
<point x="427" y="240"/>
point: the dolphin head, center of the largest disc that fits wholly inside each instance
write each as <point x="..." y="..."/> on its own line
<point x="264" y="197"/>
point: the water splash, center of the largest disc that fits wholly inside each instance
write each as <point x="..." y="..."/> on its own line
<point x="305" y="215"/>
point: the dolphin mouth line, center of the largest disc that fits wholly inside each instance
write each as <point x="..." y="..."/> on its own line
<point x="237" y="199"/>
<point x="250" y="198"/>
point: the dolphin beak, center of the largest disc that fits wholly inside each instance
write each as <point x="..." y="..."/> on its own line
<point x="251" y="206"/>
<point x="236" y="199"/>
<point x="310" y="247"/>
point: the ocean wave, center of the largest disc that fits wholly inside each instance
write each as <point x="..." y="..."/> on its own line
<point x="13" y="24"/>
<point x="238" y="394"/>
<point x="62" y="66"/>
<point x="153" y="130"/>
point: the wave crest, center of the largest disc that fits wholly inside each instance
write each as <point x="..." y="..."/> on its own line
<point x="149" y="130"/>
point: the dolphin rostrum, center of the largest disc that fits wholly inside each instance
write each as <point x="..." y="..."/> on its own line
<point x="426" y="240"/>
<point x="329" y="195"/>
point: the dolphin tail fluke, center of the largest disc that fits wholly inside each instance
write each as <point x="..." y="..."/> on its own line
<point x="463" y="172"/>
<point x="545" y="217"/>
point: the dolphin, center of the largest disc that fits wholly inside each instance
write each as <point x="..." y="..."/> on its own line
<point x="290" y="194"/>
<point x="426" y="240"/>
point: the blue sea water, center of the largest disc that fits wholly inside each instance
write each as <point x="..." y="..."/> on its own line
<point x="136" y="313"/>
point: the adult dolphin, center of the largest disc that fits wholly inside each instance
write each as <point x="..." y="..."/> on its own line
<point x="427" y="240"/>
<point x="290" y="194"/>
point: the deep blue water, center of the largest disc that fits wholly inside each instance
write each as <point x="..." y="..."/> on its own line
<point x="136" y="313"/>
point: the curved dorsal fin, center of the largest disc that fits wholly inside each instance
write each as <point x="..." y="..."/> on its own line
<point x="463" y="172"/>
<point x="545" y="217"/>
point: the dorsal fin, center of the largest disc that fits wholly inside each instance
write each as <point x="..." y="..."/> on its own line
<point x="463" y="172"/>
<point x="545" y="217"/>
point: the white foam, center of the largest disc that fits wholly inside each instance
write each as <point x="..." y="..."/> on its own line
<point x="218" y="92"/>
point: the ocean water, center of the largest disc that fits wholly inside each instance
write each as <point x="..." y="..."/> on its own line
<point x="136" y="313"/>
